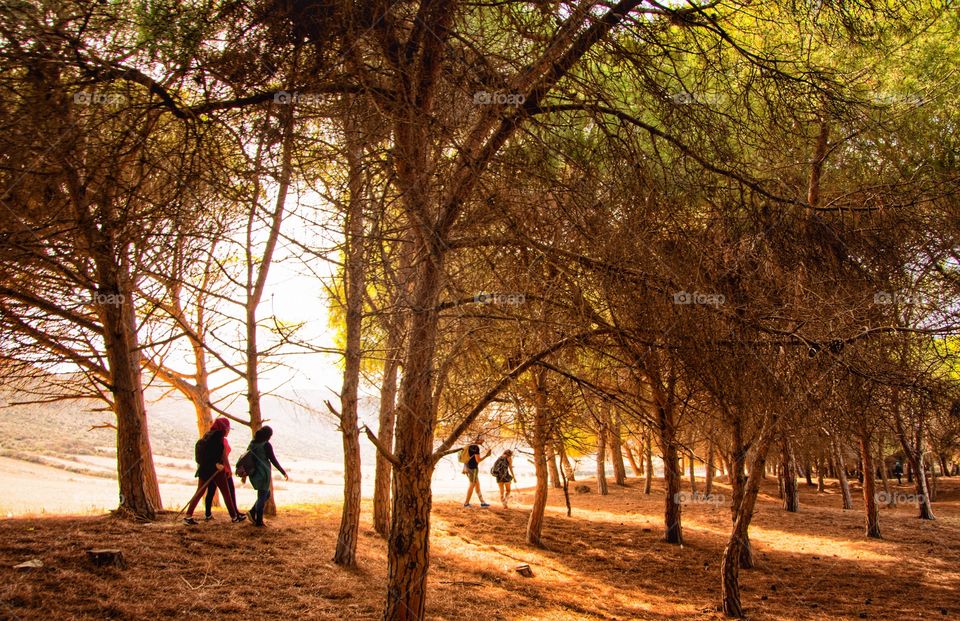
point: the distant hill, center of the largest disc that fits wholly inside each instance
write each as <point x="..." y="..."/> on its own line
<point x="66" y="427"/>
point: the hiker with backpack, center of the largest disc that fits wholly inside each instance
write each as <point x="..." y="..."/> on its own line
<point x="212" y="453"/>
<point x="470" y="458"/>
<point x="255" y="464"/>
<point x="502" y="470"/>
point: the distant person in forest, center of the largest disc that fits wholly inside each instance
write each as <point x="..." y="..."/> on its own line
<point x="898" y="472"/>
<point x="213" y="472"/>
<point x="471" y="468"/>
<point x="262" y="451"/>
<point x="502" y="470"/>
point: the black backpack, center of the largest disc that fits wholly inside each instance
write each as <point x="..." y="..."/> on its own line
<point x="246" y="465"/>
<point x="500" y="468"/>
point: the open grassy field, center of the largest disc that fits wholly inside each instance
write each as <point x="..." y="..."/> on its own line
<point x="605" y="562"/>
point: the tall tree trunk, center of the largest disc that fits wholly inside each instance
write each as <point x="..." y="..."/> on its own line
<point x="541" y="438"/>
<point x="869" y="487"/>
<point x="388" y="397"/>
<point x="820" y="468"/>
<point x="671" y="475"/>
<point x="408" y="551"/>
<point x="616" y="450"/>
<point x="552" y="473"/>
<point x="636" y="467"/>
<point x="139" y="488"/>
<point x="257" y="274"/>
<point x="693" y="472"/>
<point x="842" y="474"/>
<point x="708" y="481"/>
<point x="601" y="459"/>
<point x="791" y="495"/>
<point x="648" y="451"/>
<point x="346" y="549"/>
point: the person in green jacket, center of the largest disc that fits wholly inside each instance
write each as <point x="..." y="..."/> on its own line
<point x="262" y="451"/>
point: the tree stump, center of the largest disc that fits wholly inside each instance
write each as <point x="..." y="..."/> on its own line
<point x="582" y="489"/>
<point x="524" y="570"/>
<point x="102" y="558"/>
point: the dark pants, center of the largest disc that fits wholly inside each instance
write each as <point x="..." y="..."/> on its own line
<point x="211" y="492"/>
<point x="224" y="484"/>
<point x="256" y="513"/>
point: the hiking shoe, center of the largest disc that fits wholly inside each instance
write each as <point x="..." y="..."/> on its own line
<point x="190" y="521"/>
<point x="484" y="504"/>
<point x="253" y="520"/>
<point x="207" y="518"/>
<point x="238" y="518"/>
<point x="466" y="504"/>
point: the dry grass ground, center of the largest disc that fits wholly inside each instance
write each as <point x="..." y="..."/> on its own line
<point x="604" y="563"/>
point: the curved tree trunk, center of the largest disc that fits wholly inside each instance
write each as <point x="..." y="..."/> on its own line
<point x="743" y="514"/>
<point x="738" y="484"/>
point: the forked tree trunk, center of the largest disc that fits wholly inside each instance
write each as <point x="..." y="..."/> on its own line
<point x="791" y="495"/>
<point x="552" y="471"/>
<point x="842" y="475"/>
<point x="648" y="450"/>
<point x="540" y="440"/>
<point x="616" y="451"/>
<point x="601" y="460"/>
<point x="869" y="488"/>
<point x="743" y="514"/>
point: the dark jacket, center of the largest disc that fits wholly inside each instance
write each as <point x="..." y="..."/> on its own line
<point x="264" y="457"/>
<point x="209" y="453"/>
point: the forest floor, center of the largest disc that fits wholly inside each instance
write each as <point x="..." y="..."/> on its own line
<point x="606" y="562"/>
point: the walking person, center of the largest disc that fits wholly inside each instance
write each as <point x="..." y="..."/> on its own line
<point x="471" y="468"/>
<point x="502" y="470"/>
<point x="213" y="472"/>
<point x="262" y="451"/>
<point x="898" y="472"/>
